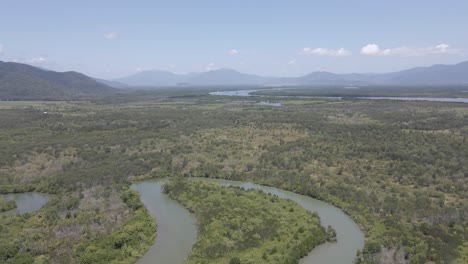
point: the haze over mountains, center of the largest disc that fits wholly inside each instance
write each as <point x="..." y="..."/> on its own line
<point x="433" y="75"/>
<point x="25" y="82"/>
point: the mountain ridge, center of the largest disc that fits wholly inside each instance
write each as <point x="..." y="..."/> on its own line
<point x="435" y="74"/>
<point x="25" y="82"/>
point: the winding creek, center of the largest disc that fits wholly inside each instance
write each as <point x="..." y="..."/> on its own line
<point x="244" y="93"/>
<point x="177" y="230"/>
<point x="25" y="202"/>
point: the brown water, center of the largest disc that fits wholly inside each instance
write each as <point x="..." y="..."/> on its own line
<point x="177" y="227"/>
<point x="177" y="230"/>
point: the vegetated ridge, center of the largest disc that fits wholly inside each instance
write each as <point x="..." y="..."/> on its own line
<point x="25" y="82"/>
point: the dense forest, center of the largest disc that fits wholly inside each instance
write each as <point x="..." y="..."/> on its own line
<point x="397" y="168"/>
<point x="240" y="226"/>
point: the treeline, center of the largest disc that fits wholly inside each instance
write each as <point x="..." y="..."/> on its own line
<point x="4" y="189"/>
<point x="450" y="91"/>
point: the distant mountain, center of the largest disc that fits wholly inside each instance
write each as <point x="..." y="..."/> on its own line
<point x="152" y="78"/>
<point x="215" y="77"/>
<point x="436" y="74"/>
<point x="226" y="76"/>
<point x="322" y="77"/>
<point x="433" y="75"/>
<point x="25" y="82"/>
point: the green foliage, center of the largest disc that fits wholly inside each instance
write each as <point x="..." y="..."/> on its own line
<point x="132" y="199"/>
<point x="6" y="205"/>
<point x="331" y="234"/>
<point x="235" y="260"/>
<point x="397" y="168"/>
<point x="125" y="245"/>
<point x="234" y="223"/>
<point x="7" y="250"/>
<point x="4" y="189"/>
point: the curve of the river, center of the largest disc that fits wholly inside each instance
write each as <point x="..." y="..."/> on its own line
<point x="244" y="93"/>
<point x="177" y="227"/>
<point x="25" y="202"/>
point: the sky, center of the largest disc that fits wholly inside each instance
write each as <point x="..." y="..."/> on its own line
<point x="115" y="38"/>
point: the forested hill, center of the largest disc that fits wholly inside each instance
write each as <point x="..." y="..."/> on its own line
<point x="24" y="82"/>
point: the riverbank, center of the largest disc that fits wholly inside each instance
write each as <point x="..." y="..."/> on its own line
<point x="235" y="224"/>
<point x="350" y="238"/>
<point x="7" y="205"/>
<point x="24" y="202"/>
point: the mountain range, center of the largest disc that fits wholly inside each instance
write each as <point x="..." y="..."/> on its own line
<point x="24" y="82"/>
<point x="432" y="75"/>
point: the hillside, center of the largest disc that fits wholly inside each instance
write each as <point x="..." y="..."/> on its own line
<point x="25" y="82"/>
<point x="435" y="74"/>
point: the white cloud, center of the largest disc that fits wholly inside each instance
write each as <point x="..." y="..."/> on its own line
<point x="325" y="52"/>
<point x="233" y="52"/>
<point x="370" y="49"/>
<point x="38" y="60"/>
<point x="211" y="67"/>
<point x="111" y="35"/>
<point x="375" y="50"/>
<point x="291" y="62"/>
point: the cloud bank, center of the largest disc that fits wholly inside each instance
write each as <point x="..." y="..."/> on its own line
<point x="325" y="52"/>
<point x="375" y="50"/>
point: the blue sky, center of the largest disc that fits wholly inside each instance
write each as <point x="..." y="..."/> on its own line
<point x="111" y="39"/>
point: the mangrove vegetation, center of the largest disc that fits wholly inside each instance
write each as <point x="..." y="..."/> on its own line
<point x="397" y="168"/>
<point x="246" y="226"/>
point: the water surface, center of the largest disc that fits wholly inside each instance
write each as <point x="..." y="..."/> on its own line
<point x="177" y="227"/>
<point x="25" y="202"/>
<point x="177" y="230"/>
<point x="350" y="238"/>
